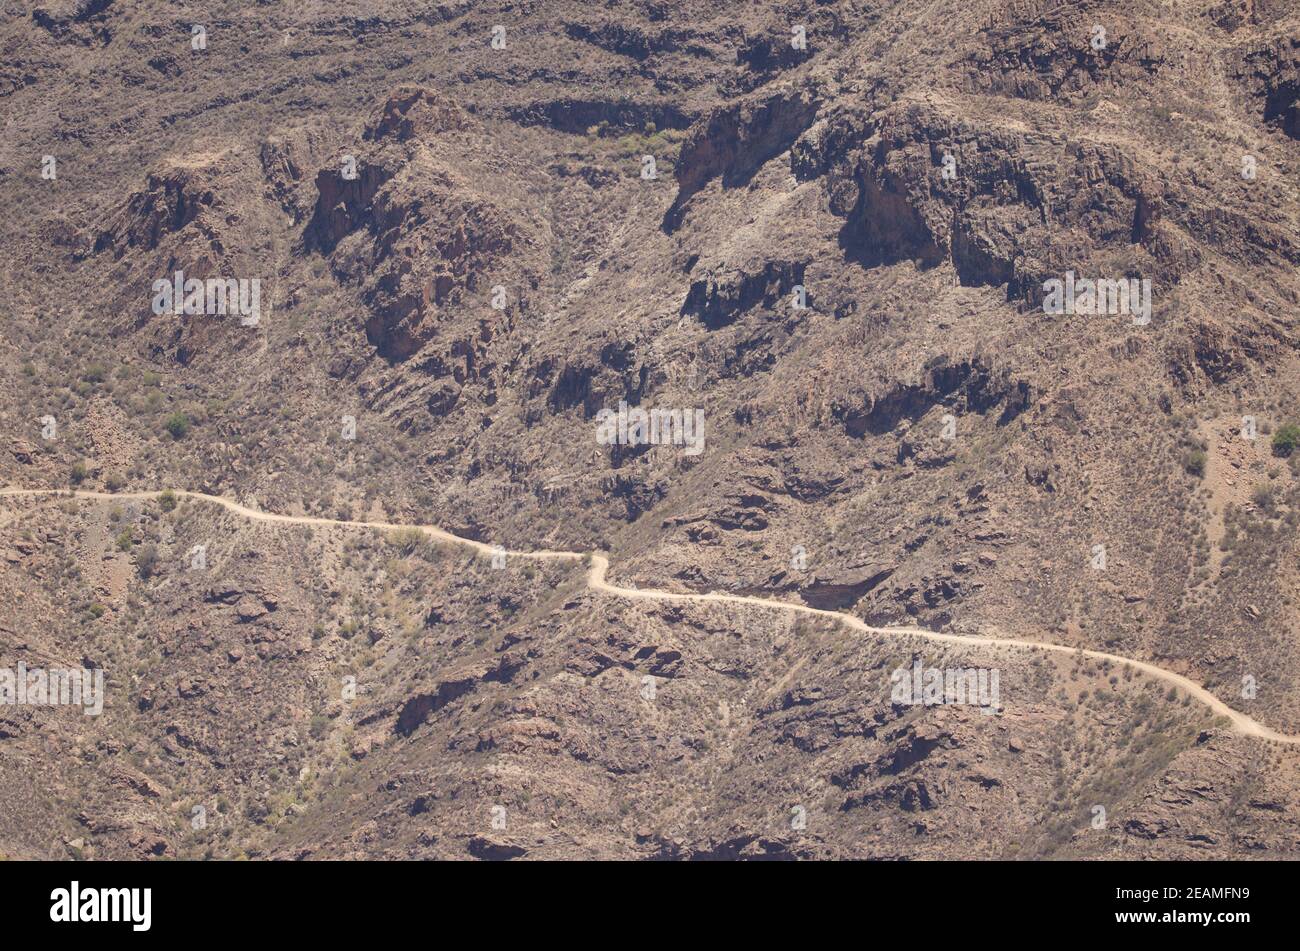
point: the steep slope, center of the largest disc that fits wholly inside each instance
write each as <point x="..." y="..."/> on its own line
<point x="838" y="251"/>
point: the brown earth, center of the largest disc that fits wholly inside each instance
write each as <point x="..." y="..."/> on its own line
<point x="921" y="445"/>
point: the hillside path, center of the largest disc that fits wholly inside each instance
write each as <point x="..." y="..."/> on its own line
<point x="599" y="568"/>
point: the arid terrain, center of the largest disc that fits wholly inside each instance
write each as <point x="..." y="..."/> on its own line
<point x="467" y="236"/>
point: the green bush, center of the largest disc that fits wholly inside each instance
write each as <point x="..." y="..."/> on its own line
<point x="1194" y="461"/>
<point x="320" y="725"/>
<point x="125" y="539"/>
<point x="1286" y="439"/>
<point x="167" y="500"/>
<point x="78" y="474"/>
<point x="178" y="424"/>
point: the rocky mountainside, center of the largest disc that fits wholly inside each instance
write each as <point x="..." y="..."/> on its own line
<point x="988" y="312"/>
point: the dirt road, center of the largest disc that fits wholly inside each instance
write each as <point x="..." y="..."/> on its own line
<point x="596" y="580"/>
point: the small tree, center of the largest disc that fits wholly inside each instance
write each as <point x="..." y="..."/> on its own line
<point x="78" y="474"/>
<point x="1286" y="439"/>
<point x="178" y="424"/>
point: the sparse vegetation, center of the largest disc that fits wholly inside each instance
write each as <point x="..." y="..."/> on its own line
<point x="229" y="674"/>
<point x="1263" y="498"/>
<point x="408" y="540"/>
<point x="146" y="560"/>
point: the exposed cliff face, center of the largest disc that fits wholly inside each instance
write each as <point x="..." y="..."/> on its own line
<point x="184" y="218"/>
<point x="1001" y="208"/>
<point x="166" y="204"/>
<point x="717" y="298"/>
<point x="400" y="221"/>
<point x="966" y="387"/>
<point x="1062" y="56"/>
<point x="412" y="111"/>
<point x="734" y="141"/>
<point x="345" y="203"/>
<point x="1270" y="73"/>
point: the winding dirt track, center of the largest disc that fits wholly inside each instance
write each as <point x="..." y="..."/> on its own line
<point x="600" y="567"/>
